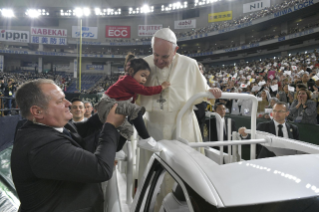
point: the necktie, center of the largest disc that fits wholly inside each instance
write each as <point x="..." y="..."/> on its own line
<point x="66" y="132"/>
<point x="280" y="133"/>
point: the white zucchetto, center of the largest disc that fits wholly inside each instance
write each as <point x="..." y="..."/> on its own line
<point x="166" y="34"/>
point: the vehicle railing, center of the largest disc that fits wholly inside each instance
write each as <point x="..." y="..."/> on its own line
<point x="128" y="158"/>
<point x="287" y="143"/>
<point x="252" y="141"/>
<point x="220" y="133"/>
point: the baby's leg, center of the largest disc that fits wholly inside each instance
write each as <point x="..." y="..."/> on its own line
<point x="140" y="126"/>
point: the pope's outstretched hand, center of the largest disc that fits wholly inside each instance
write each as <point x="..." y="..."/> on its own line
<point x="216" y="92"/>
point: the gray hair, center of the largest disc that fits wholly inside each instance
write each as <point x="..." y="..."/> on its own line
<point x="274" y="98"/>
<point x="85" y="102"/>
<point x="30" y="93"/>
<point x="174" y="45"/>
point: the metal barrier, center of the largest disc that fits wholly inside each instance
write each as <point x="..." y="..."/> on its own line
<point x="3" y="100"/>
<point x="252" y="141"/>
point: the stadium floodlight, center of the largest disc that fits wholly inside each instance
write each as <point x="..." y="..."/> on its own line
<point x="97" y="11"/>
<point x="289" y="54"/>
<point x="78" y="12"/>
<point x="174" y="6"/>
<point x="86" y="11"/>
<point x="65" y="13"/>
<point x="8" y="13"/>
<point x="145" y="9"/>
<point x="33" y="13"/>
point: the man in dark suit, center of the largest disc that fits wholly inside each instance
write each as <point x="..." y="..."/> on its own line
<point x="220" y="108"/>
<point x="278" y="126"/>
<point x="52" y="170"/>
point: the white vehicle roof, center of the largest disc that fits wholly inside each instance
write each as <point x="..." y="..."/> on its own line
<point x="244" y="183"/>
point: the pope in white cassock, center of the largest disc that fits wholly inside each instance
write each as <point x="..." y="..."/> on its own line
<point x="186" y="80"/>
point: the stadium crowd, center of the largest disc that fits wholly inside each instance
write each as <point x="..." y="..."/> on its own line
<point x="292" y="79"/>
<point x="11" y="81"/>
<point x="221" y="25"/>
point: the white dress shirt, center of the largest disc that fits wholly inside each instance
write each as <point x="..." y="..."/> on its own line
<point x="284" y="129"/>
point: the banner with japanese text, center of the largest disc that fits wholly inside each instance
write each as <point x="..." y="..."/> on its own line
<point x="87" y="32"/>
<point x="48" y="40"/>
<point x="222" y="16"/>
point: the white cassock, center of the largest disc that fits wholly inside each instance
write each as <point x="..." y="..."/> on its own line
<point x="186" y="80"/>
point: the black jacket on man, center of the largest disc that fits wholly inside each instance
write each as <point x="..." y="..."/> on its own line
<point x="213" y="129"/>
<point x="269" y="126"/>
<point x="53" y="172"/>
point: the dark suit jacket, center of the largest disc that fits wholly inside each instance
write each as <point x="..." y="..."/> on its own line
<point x="53" y="172"/>
<point x="213" y="129"/>
<point x="269" y="126"/>
<point x="200" y="115"/>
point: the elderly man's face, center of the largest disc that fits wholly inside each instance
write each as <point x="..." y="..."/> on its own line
<point x="57" y="113"/>
<point x="163" y="53"/>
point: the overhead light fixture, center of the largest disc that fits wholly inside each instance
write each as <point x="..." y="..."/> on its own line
<point x="79" y="12"/>
<point x="33" y="13"/>
<point x="8" y="13"/>
<point x="65" y="13"/>
<point x="144" y="9"/>
<point x="174" y="6"/>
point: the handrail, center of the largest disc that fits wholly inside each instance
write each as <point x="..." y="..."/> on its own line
<point x="234" y="142"/>
<point x="220" y="134"/>
<point x="208" y="94"/>
<point x="129" y="176"/>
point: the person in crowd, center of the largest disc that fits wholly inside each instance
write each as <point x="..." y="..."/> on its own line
<point x="235" y="107"/>
<point x="220" y="108"/>
<point x="264" y="103"/>
<point x="51" y="171"/>
<point x="78" y="110"/>
<point x="285" y="95"/>
<point x="278" y="126"/>
<point x="201" y="107"/>
<point x="303" y="109"/>
<point x="128" y="87"/>
<point x="271" y="92"/>
<point x="88" y="109"/>
<point x="245" y="106"/>
<point x="307" y="81"/>
<point x="9" y="92"/>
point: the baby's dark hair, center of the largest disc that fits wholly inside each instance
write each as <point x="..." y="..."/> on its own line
<point x="130" y="56"/>
<point x="139" y="64"/>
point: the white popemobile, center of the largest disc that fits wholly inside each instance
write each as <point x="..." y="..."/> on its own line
<point x="217" y="181"/>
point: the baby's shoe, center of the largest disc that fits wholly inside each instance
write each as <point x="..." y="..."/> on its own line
<point x="149" y="144"/>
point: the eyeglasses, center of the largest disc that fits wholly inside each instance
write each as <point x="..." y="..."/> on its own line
<point x="279" y="111"/>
